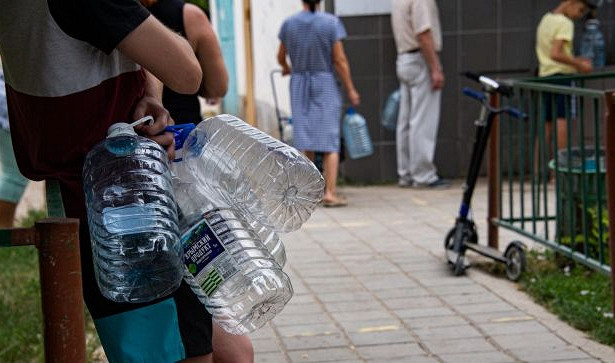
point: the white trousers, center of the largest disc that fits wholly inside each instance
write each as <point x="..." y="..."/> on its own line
<point x="417" y="125"/>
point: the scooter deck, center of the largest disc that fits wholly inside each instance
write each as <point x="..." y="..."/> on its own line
<point x="486" y="251"/>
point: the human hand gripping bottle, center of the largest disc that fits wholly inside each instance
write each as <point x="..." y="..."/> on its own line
<point x="227" y="265"/>
<point x="132" y="217"/>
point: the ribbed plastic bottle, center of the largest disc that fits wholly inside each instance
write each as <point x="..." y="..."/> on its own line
<point x="356" y="135"/>
<point x="132" y="217"/>
<point x="592" y="44"/>
<point x="391" y="111"/>
<point x="272" y="242"/>
<point x="185" y="180"/>
<point x="253" y="172"/>
<point x="227" y="265"/>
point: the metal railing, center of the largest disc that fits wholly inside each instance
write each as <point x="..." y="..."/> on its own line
<point x="558" y="190"/>
<point x="57" y="241"/>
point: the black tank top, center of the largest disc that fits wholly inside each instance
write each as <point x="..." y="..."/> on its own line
<point x="183" y="108"/>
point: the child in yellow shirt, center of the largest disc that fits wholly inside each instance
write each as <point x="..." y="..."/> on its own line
<point x="554" y="50"/>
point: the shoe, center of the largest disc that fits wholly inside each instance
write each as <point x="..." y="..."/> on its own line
<point x="334" y="203"/>
<point x="436" y="184"/>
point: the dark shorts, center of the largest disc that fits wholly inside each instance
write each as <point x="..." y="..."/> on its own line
<point x="165" y="330"/>
<point x="559" y="100"/>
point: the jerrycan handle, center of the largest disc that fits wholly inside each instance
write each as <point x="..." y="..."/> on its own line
<point x="147" y="119"/>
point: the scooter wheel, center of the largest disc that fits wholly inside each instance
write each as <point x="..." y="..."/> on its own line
<point x="459" y="267"/>
<point x="449" y="239"/>
<point x="515" y="260"/>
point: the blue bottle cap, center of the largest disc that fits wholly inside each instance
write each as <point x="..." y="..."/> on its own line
<point x="181" y="133"/>
<point x="351" y="111"/>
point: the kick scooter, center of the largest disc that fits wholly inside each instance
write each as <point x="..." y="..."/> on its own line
<point x="463" y="236"/>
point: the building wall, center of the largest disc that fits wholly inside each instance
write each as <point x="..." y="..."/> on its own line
<point x="267" y="18"/>
<point x="493" y="36"/>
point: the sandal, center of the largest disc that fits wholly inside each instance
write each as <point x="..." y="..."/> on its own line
<point x="337" y="202"/>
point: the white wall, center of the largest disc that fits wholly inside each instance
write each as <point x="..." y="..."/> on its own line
<point x="267" y="18"/>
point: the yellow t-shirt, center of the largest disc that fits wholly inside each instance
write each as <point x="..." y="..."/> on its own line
<point x="552" y="27"/>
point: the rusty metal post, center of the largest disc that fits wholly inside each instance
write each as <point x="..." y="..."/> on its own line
<point x="61" y="291"/>
<point x="493" y="177"/>
<point x="609" y="141"/>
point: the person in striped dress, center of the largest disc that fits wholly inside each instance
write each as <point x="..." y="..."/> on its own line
<point x="313" y="42"/>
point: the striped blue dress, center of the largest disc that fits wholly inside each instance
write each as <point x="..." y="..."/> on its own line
<point x="316" y="102"/>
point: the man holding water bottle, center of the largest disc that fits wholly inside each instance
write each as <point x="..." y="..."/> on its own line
<point x="418" y="37"/>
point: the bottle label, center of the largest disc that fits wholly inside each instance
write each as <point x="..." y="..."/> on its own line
<point x="207" y="258"/>
<point x="130" y="218"/>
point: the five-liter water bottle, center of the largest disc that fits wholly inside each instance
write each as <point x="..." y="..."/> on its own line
<point x="132" y="217"/>
<point x="391" y="111"/>
<point x="227" y="265"/>
<point x="592" y="44"/>
<point x="356" y="135"/>
<point x="186" y="186"/>
<point x="254" y="173"/>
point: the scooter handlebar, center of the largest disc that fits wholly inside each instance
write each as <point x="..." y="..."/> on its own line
<point x="516" y="113"/>
<point x="490" y="84"/>
<point x="479" y="96"/>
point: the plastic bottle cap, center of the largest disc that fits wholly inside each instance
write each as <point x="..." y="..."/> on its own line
<point x="351" y="111"/>
<point x="120" y="128"/>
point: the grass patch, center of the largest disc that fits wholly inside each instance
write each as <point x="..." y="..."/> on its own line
<point x="21" y="327"/>
<point x="576" y="294"/>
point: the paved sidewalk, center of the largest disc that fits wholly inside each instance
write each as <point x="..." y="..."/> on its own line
<point x="371" y="285"/>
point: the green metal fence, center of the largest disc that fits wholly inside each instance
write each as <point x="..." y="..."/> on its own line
<point x="552" y="189"/>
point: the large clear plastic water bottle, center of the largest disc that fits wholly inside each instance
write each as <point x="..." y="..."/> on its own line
<point x="227" y="265"/>
<point x="132" y="217"/>
<point x="391" y="111"/>
<point x="272" y="242"/>
<point x="253" y="172"/>
<point x="356" y="135"/>
<point x="592" y="44"/>
<point x="185" y="185"/>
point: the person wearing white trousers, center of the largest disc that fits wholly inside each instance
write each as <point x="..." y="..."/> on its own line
<point x="418" y="37"/>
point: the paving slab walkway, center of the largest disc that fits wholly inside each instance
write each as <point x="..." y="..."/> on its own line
<point x="371" y="285"/>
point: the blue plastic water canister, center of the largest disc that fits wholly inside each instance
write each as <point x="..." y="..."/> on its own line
<point x="592" y="44"/>
<point x="356" y="135"/>
<point x="132" y="217"/>
<point x="391" y="111"/>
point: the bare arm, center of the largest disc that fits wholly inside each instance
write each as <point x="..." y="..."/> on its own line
<point x="203" y="40"/>
<point x="282" y="60"/>
<point x="340" y="62"/>
<point x="428" y="49"/>
<point x="165" y="54"/>
<point x="557" y="54"/>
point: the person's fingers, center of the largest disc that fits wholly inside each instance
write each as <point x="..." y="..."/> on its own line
<point x="164" y="139"/>
<point x="171" y="151"/>
<point x="162" y="119"/>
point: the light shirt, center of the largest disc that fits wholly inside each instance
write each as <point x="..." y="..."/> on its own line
<point x="554" y="27"/>
<point x="410" y="18"/>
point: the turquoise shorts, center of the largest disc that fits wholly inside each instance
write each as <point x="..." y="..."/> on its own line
<point x="12" y="183"/>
